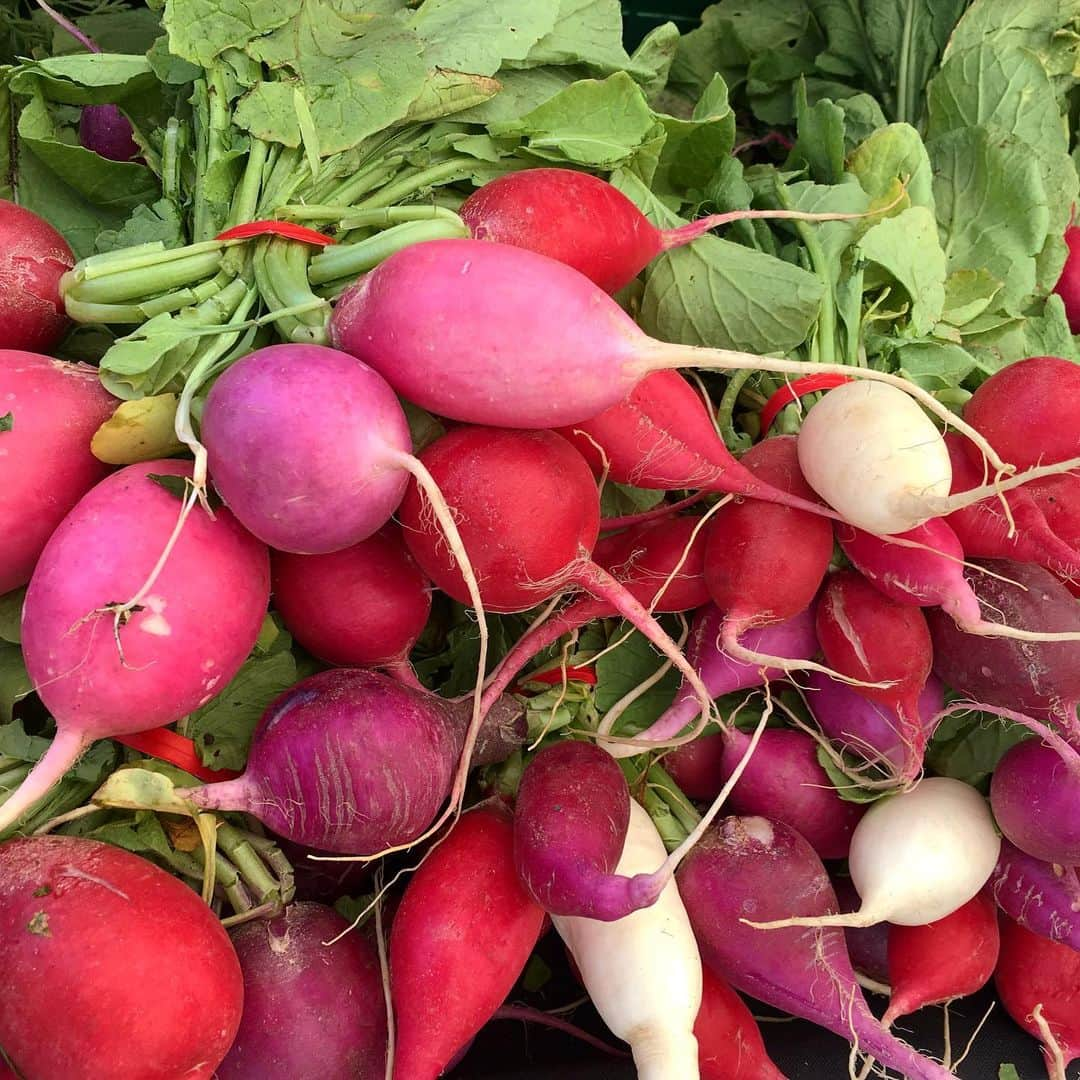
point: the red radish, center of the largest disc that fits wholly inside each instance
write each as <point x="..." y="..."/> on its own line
<point x="359" y="607"/>
<point x="1058" y="497"/>
<point x="48" y="412"/>
<point x="753" y="867"/>
<point x="33" y="258"/>
<point x="1068" y="286"/>
<point x="311" y="1010"/>
<point x="86" y="929"/>
<point x="355" y="762"/>
<point x="103" y="672"/>
<point x="661" y="436"/>
<point x="455" y="328"/>
<point x="458" y="942"/>
<point x="586" y="223"/>
<point x="730" y="1046"/>
<point x="1040" y="896"/>
<point x="943" y="960"/>
<point x="868" y="728"/>
<point x="1042" y="389"/>
<point x="866" y="636"/>
<point x="1038" y="982"/>
<point x="695" y="767"/>
<point x="528" y="513"/>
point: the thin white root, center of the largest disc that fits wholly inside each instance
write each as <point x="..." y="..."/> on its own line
<point x="875" y="987"/>
<point x="974" y="1035"/>
<point x="738" y="651"/>
<point x="384" y="972"/>
<point x="990" y="629"/>
<point x="1055" y="1058"/>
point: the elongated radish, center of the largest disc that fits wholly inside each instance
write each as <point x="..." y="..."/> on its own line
<point x="1058" y="497"/>
<point x="364" y="605"/>
<point x="353" y="761"/>
<point x="751" y="866"/>
<point x="661" y="436"/>
<point x="916" y="856"/>
<point x="730" y="1046"/>
<point x="100" y="675"/>
<point x="1040" y="896"/>
<point x="1038" y="982"/>
<point x="528" y="512"/>
<point x="942" y="960"/>
<point x="869" y="729"/>
<point x="586" y="223"/>
<point x="1068" y="285"/>
<point x="454" y="327"/>
<point x="643" y="971"/>
<point x="459" y="940"/>
<point x="866" y="636"/>
<point x="50" y="410"/>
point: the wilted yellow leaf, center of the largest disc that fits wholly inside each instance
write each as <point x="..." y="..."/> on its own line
<point x="138" y="431"/>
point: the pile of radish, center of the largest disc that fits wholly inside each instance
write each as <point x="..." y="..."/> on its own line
<point x="508" y="633"/>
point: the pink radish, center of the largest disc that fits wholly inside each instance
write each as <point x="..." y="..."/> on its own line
<point x="101" y="673"/>
<point x="753" y="867"/>
<point x="50" y="410"/>
<point x="1040" y="896"/>
<point x="1068" y="286"/>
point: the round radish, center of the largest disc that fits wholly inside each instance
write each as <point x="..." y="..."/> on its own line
<point x="108" y="132"/>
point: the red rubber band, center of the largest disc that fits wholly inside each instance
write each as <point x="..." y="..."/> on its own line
<point x="792" y="391"/>
<point x="167" y="745"/>
<point x="286" y="229"/>
<point x="554" y="677"/>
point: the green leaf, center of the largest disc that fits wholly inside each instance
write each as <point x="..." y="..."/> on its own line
<point x="87" y="78"/>
<point x="7" y="142"/>
<point x="652" y="59"/>
<point x="626" y="667"/>
<point x="820" y="144"/>
<point x="1008" y="1072"/>
<point x="967" y="746"/>
<point x="200" y="30"/>
<point x="933" y="365"/>
<point x="587" y="32"/>
<point x="992" y="207"/>
<point x="619" y="500"/>
<point x="996" y="341"/>
<point x="846" y="787"/>
<point x="266" y="111"/>
<point x="862" y="117"/>
<point x="222" y="729"/>
<point x="14" y="684"/>
<point x="151" y="357"/>
<point x="132" y="30"/>
<point x="592" y="122"/>
<point x="448" y="92"/>
<point x="717" y="293"/>
<point x="894" y="153"/>
<point x="158" y="222"/>
<point x="7" y="422"/>
<point x="536" y="976"/>
<point x="522" y="91"/>
<point x="11" y="605"/>
<point x="968" y="293"/>
<point x="692" y="149"/>
<point x="907" y="247"/>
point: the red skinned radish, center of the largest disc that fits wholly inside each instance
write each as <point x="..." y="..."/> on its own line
<point x="311" y="1010"/>
<point x="87" y="928"/>
<point x="730" y="1046"/>
<point x="1068" y="286"/>
<point x="1040" y="896"/>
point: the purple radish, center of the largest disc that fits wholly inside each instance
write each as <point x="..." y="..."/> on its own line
<point x="353" y="761"/>
<point x="868" y="946"/>
<point x="1040" y="896"/>
<point x="751" y="867"/>
<point x="868" y="728"/>
<point x="311" y="1010"/>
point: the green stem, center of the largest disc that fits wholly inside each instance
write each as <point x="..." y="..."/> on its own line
<point x="725" y="413"/>
<point x="286" y="265"/>
<point x="445" y="172"/>
<point x="170" y="161"/>
<point x="132" y="284"/>
<point x="100" y="314"/>
<point x="246" y="199"/>
<point x="245" y="858"/>
<point x="363" y="181"/>
<point x="11" y="778"/>
<point x="905" y="86"/>
<point x="143" y="257"/>
<point x="683" y="809"/>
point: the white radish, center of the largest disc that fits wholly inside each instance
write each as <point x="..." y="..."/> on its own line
<point x="871" y="452"/>
<point x="917" y="856"/>
<point x="643" y="971"/>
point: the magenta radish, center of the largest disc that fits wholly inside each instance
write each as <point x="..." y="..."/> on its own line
<point x="661" y="436"/>
<point x="33" y="259"/>
<point x="528" y="512"/>
<point x="868" y="728"/>
<point x="1042" y="897"/>
<point x="942" y="960"/>
<point x="916" y="857"/>
<point x="751" y="866"/>
<point x="1068" y="285"/>
<point x="1038" y="982"/>
<point x="101" y="672"/>
<point x="454" y="327"/>
<point x="363" y="606"/>
<point x="586" y="223"/>
<point x="643" y="971"/>
<point x="52" y="409"/>
<point x="311" y="1010"/>
<point x="352" y="761"/>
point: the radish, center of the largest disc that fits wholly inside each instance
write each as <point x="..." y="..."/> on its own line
<point x="101" y="672"/>
<point x="1035" y="796"/>
<point x="868" y="728"/>
<point x="311" y="1010"/>
<point x="695" y="767"/>
<point x="916" y="857"/>
<point x="867" y="946"/>
<point x="751" y="866"/>
<point x="528" y="513"/>
<point x="86" y="930"/>
<point x="1068" y="285"/>
<point x="867" y="636"/>
<point x="661" y="436"/>
<point x="458" y="942"/>
<point x="352" y="761"/>
<point x="1038" y="982"/>
<point x="51" y="410"/>
<point x="454" y="327"/>
<point x="1058" y="498"/>
<point x="943" y="960"/>
<point x="1043" y="387"/>
<point x="33" y="258"/>
<point x="363" y="606"/>
<point x="587" y="223"/>
<point x="730" y="1046"/>
<point x="1040" y="896"/>
<point x="643" y="971"/>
